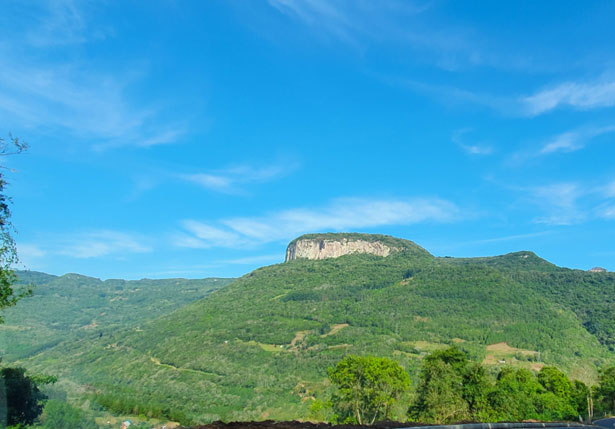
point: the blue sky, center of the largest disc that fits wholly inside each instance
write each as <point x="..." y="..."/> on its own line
<point x="195" y="139"/>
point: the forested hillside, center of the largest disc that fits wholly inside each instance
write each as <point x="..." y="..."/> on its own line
<point x="260" y="347"/>
<point x="70" y="307"/>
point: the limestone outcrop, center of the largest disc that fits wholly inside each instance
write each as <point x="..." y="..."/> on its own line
<point x="321" y="248"/>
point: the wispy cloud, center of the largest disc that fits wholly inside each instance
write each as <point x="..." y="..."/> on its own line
<point x="514" y="237"/>
<point x="40" y="88"/>
<point x="319" y="13"/>
<point x="103" y="243"/>
<point x="250" y="260"/>
<point x="569" y="203"/>
<point x="29" y="254"/>
<point x="460" y="140"/>
<point x="574" y="140"/>
<point x="340" y="215"/>
<point x="609" y="190"/>
<point x="85" y="245"/>
<point x="412" y="25"/>
<point x="86" y="103"/>
<point x="231" y="180"/>
<point x="560" y="201"/>
<point x="579" y="95"/>
<point x="608" y="212"/>
<point x="57" y="23"/>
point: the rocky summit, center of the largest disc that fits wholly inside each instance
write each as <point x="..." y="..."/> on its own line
<point x="334" y="245"/>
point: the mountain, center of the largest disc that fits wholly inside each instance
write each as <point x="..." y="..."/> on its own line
<point x="65" y="308"/>
<point x="260" y="347"/>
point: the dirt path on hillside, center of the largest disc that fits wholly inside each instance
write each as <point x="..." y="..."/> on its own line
<point x="176" y="368"/>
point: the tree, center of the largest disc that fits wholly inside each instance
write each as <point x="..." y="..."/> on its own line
<point x="8" y="253"/>
<point x="555" y="381"/>
<point x="581" y="398"/>
<point x="446" y="387"/>
<point x="606" y="389"/>
<point x="23" y="398"/>
<point x="515" y="395"/>
<point x="368" y="387"/>
<point x="476" y="387"/>
<point x="557" y="403"/>
<point x="58" y="414"/>
<point x="439" y="394"/>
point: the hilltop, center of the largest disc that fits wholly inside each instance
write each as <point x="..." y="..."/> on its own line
<point x="334" y="245"/>
<point x="259" y="347"/>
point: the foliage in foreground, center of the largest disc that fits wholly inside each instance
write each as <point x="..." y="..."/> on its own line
<point x="8" y="251"/>
<point x="368" y="387"/>
<point x="24" y="400"/>
<point x="452" y="389"/>
<point x="59" y="414"/>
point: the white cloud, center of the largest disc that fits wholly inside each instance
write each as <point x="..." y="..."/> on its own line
<point x="102" y="243"/>
<point x="210" y="181"/>
<point x="82" y="245"/>
<point x="250" y="260"/>
<point x="472" y="149"/>
<point x="49" y="92"/>
<point x="29" y="254"/>
<point x="560" y="200"/>
<point x="572" y="203"/>
<point x="84" y="102"/>
<point x="230" y="180"/>
<point x="58" y="22"/>
<point x="574" y="140"/>
<point x="609" y="190"/>
<point x="566" y="142"/>
<point x="341" y="215"/>
<point x="608" y="212"/>
<point x="204" y="235"/>
<point x="580" y="95"/>
<point x="318" y="13"/>
<point x="412" y="25"/>
<point x="85" y="245"/>
<point x="26" y="250"/>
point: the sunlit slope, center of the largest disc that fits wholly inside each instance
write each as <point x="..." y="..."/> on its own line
<point x="259" y="348"/>
<point x="65" y="308"/>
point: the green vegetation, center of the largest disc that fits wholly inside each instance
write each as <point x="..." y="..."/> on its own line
<point x="59" y="414"/>
<point x="69" y="308"/>
<point x="260" y="347"/>
<point x="606" y="389"/>
<point x="23" y="397"/>
<point x="454" y="389"/>
<point x="367" y="388"/>
<point x="8" y="252"/>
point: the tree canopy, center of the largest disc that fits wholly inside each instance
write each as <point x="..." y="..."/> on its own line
<point x="8" y="252"/>
<point x="367" y="387"/>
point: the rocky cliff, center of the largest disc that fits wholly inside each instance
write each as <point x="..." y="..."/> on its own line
<point x="321" y="246"/>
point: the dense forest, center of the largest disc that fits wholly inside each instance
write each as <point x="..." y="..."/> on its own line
<point x="260" y="347"/>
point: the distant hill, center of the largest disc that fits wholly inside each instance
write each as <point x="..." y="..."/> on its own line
<point x="259" y="347"/>
<point x="65" y="308"/>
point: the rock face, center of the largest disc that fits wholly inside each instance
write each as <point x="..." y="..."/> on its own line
<point x="312" y="248"/>
<point x="597" y="270"/>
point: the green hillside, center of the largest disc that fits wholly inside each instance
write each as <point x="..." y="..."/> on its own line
<point x="259" y="347"/>
<point x="70" y="307"/>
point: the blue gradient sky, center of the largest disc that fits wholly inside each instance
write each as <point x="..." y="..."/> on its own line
<point x="196" y="139"/>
